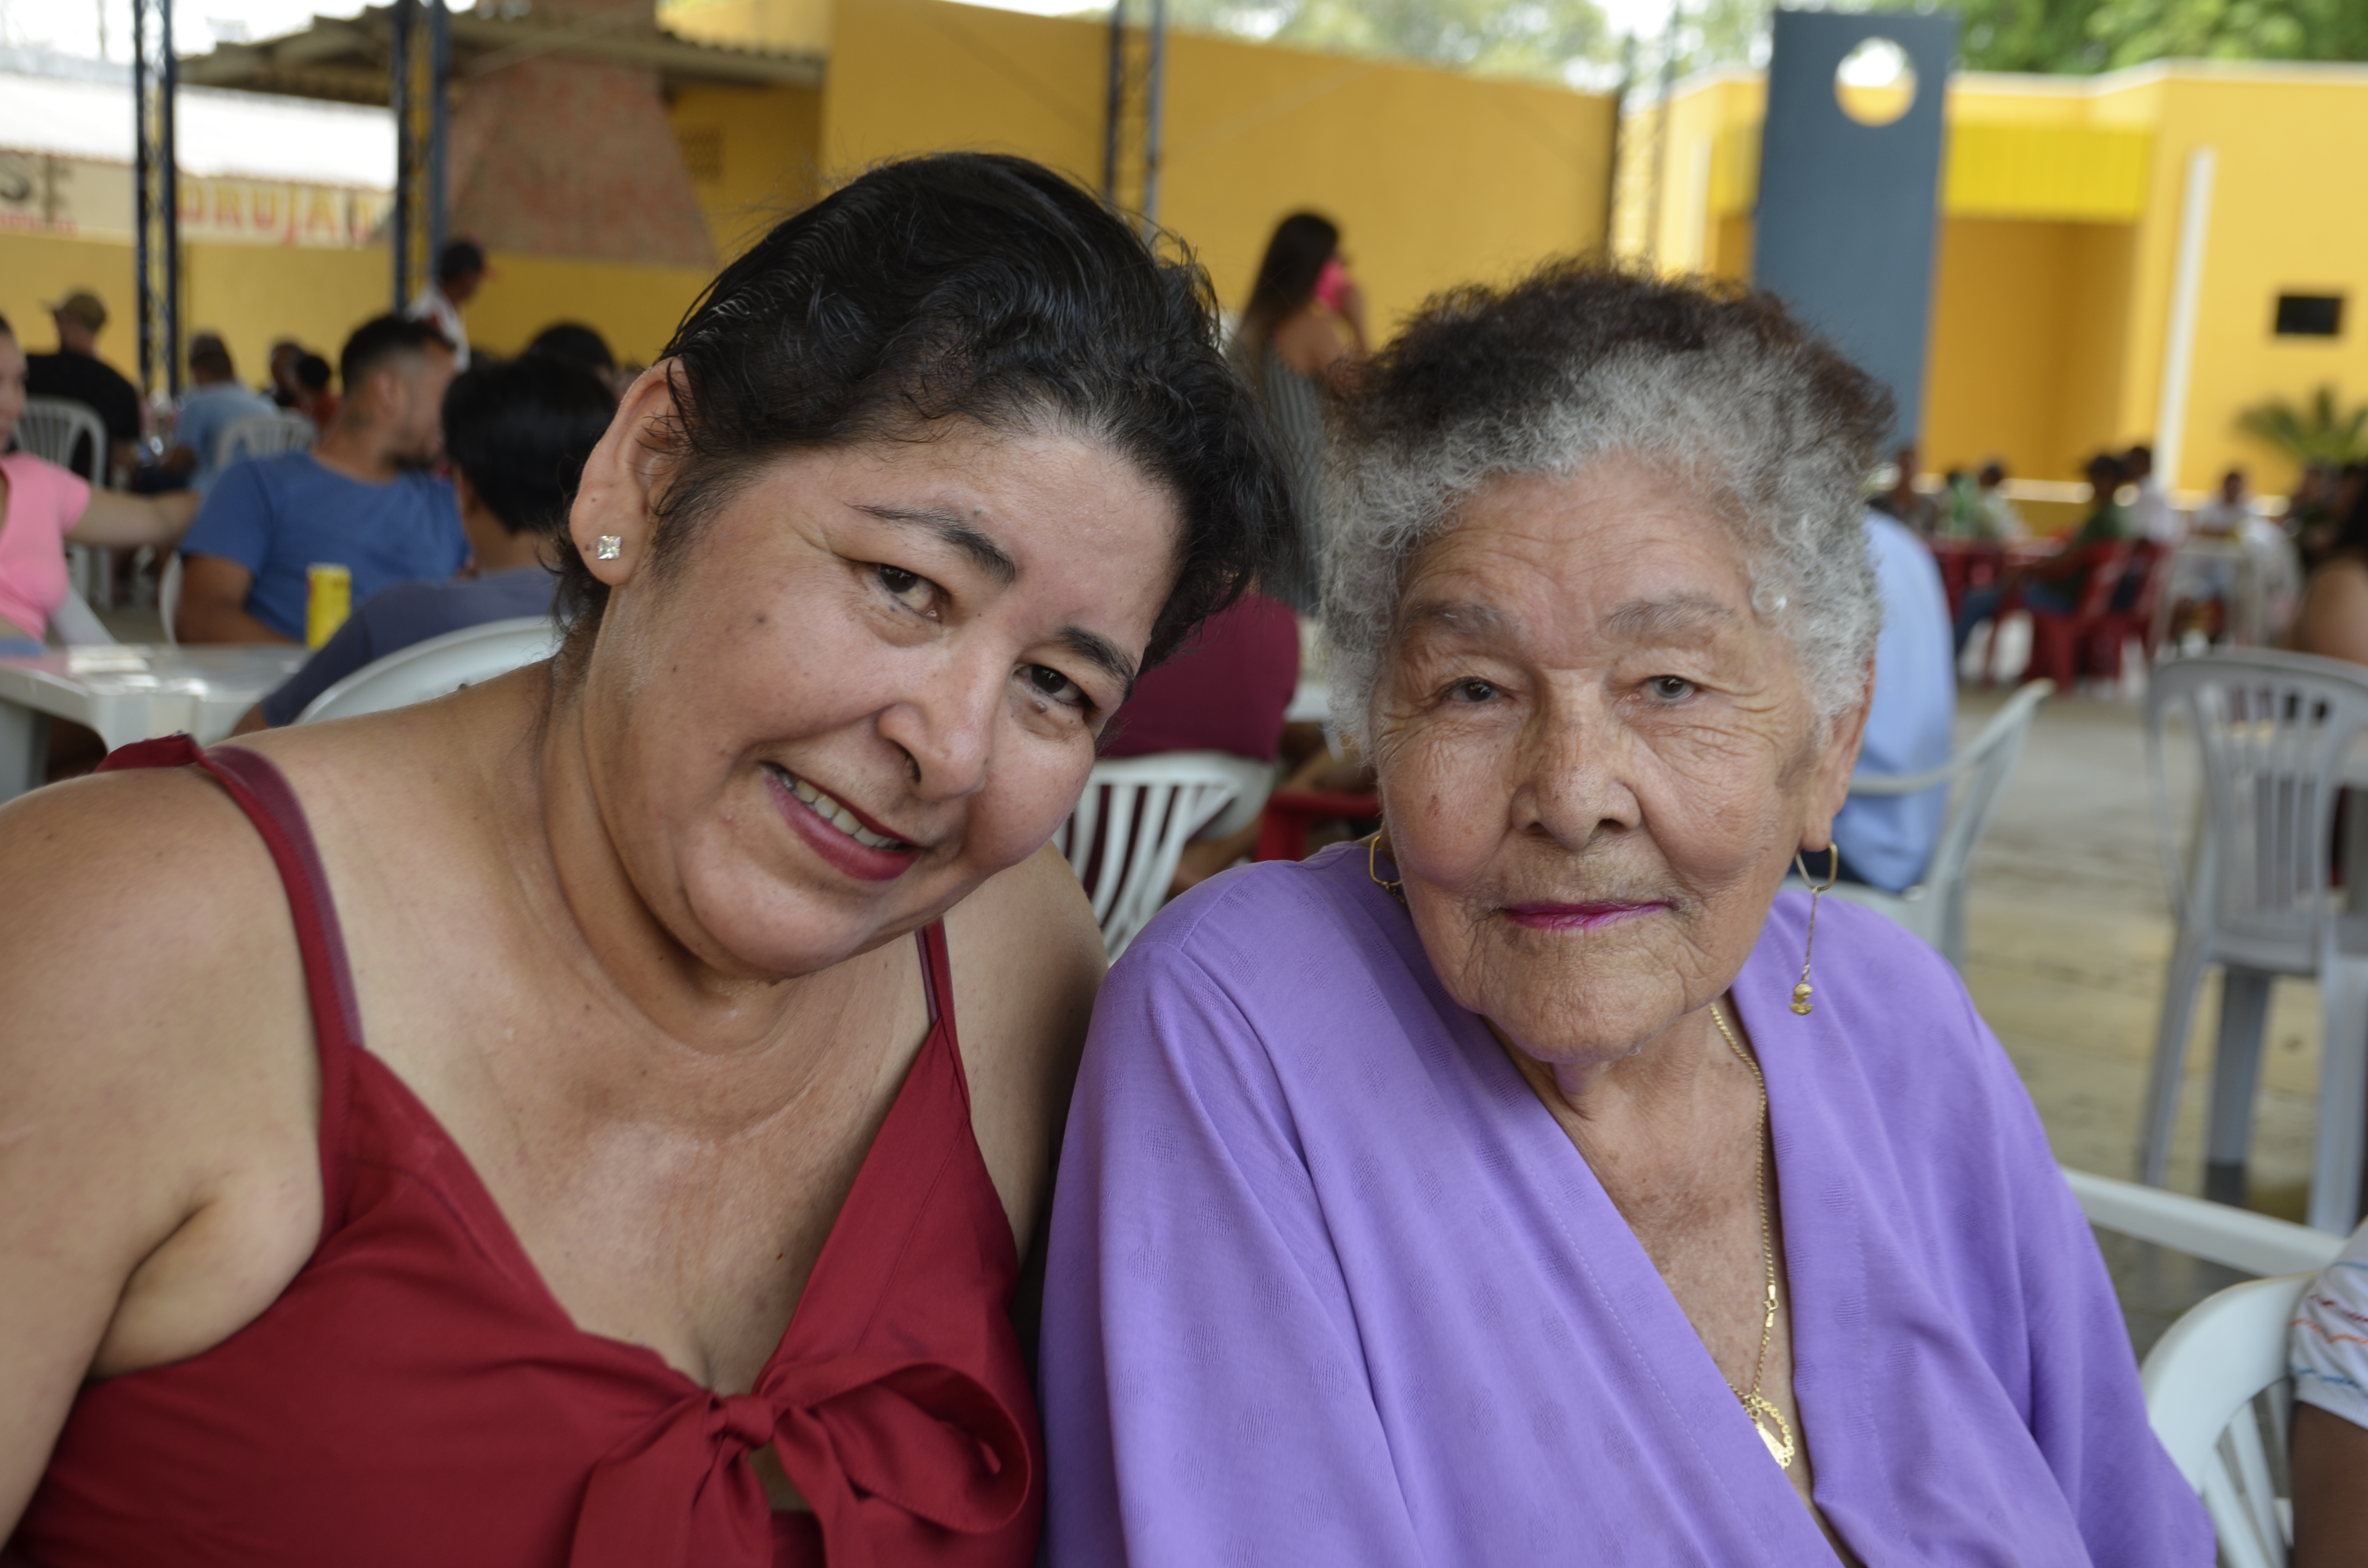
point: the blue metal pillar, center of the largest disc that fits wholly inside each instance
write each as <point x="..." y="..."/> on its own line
<point x="156" y="198"/>
<point x="419" y="91"/>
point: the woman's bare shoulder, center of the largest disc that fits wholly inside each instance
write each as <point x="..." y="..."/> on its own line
<point x="1026" y="964"/>
<point x="132" y="897"/>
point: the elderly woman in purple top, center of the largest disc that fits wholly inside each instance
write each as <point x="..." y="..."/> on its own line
<point x="1536" y="1184"/>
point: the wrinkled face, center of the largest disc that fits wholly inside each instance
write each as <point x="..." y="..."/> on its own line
<point x="1596" y="760"/>
<point x="874" y="679"/>
<point x="12" y="387"/>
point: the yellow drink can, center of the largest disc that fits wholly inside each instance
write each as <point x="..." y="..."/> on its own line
<point x="328" y="599"/>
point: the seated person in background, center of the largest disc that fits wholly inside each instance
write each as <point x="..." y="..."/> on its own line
<point x="213" y="403"/>
<point x="363" y="498"/>
<point x="2226" y="515"/>
<point x="1919" y="511"/>
<point x="517" y="434"/>
<point x="2327" y="1355"/>
<point x="2054" y="583"/>
<point x="76" y="373"/>
<point x="2333" y="620"/>
<point x="2152" y="517"/>
<point x="1885" y="841"/>
<point x="43" y="508"/>
<point x="316" y="400"/>
<point x="282" y="363"/>
<point x="1228" y="691"/>
<point x="580" y="346"/>
<point x="1999" y="518"/>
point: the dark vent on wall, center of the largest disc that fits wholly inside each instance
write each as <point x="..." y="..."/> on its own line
<point x="2310" y="315"/>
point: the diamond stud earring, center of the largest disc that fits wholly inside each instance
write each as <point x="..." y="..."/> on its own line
<point x="610" y="547"/>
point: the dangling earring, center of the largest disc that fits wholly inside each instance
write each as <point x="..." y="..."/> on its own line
<point x="1396" y="890"/>
<point x="1801" y="1003"/>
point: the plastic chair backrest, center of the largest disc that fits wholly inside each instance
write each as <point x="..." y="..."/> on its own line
<point x="76" y="625"/>
<point x="2218" y="1396"/>
<point x="1979" y="772"/>
<point x="437" y="667"/>
<point x="53" y="427"/>
<point x="263" y="436"/>
<point x="2274" y="731"/>
<point x="168" y="596"/>
<point x="1129" y="829"/>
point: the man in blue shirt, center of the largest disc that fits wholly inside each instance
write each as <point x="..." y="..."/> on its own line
<point x="1886" y="841"/>
<point x="362" y="499"/>
<point x="517" y="434"/>
<point x="213" y="403"/>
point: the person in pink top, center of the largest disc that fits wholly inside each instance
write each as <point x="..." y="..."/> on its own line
<point x="43" y="508"/>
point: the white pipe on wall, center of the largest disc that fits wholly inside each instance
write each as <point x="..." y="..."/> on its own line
<point x="2186" y="293"/>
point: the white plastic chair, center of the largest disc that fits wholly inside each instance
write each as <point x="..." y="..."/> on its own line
<point x="2218" y="1396"/>
<point x="168" y="596"/>
<point x="50" y="427"/>
<point x="437" y="667"/>
<point x="1935" y="907"/>
<point x="263" y="436"/>
<point x="1129" y="829"/>
<point x="76" y="625"/>
<point x="2274" y="731"/>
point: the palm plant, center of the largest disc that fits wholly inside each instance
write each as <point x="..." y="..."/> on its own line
<point x="2313" y="433"/>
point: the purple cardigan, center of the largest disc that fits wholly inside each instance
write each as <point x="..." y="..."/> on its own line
<point x="1328" y="1285"/>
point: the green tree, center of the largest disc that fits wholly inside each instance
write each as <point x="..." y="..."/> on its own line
<point x="1528" y="38"/>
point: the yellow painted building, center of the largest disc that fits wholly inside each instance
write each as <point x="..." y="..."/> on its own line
<point x="2065" y="202"/>
<point x="1435" y="177"/>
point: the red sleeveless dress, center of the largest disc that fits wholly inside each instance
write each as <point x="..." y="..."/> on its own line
<point x="419" y="1396"/>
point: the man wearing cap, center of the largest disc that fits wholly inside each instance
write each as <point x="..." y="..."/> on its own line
<point x="76" y="371"/>
<point x="459" y="269"/>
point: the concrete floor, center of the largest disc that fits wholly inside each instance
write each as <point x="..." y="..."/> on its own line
<point x="2069" y="932"/>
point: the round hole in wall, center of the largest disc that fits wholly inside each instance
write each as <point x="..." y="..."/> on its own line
<point x="1875" y="83"/>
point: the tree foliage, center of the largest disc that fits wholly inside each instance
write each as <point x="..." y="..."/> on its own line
<point x="1492" y="36"/>
<point x="2317" y="432"/>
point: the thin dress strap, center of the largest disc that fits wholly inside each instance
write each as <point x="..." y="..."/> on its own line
<point x="938" y="984"/>
<point x="261" y="791"/>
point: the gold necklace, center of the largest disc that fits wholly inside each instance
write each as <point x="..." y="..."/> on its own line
<point x="1766" y="1419"/>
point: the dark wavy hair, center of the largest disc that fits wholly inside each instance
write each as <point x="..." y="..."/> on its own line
<point x="965" y="286"/>
<point x="520" y="431"/>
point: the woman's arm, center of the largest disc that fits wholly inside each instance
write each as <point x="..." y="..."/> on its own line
<point x="1205" y="1390"/>
<point x="151" y="1141"/>
<point x="2330" y="1490"/>
<point x="113" y="520"/>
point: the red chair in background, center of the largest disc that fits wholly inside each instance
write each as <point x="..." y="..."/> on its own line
<point x="1282" y="834"/>
<point x="2150" y="565"/>
<point x="2059" y="639"/>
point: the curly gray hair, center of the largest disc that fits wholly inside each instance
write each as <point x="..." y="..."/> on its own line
<point x="1717" y="384"/>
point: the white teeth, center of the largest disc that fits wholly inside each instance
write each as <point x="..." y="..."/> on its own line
<point x="838" y="816"/>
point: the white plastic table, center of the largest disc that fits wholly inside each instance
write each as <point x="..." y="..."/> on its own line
<point x="127" y="694"/>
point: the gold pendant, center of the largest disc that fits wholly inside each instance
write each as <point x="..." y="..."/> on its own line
<point x="1801" y="1003"/>
<point x="1768" y="1422"/>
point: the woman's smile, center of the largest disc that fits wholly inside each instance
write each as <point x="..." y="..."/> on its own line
<point x="842" y="836"/>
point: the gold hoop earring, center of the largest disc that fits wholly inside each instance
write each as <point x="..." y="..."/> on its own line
<point x="1801" y="1005"/>
<point x="1396" y="890"/>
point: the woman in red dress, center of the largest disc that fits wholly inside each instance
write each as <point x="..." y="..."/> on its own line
<point x="532" y="1127"/>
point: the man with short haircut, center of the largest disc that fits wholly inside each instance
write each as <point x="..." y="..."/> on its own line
<point x="76" y="371"/>
<point x="213" y="403"/>
<point x="517" y="434"/>
<point x="460" y="272"/>
<point x="362" y="499"/>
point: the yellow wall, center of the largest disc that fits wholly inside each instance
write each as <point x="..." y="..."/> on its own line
<point x="37" y="270"/>
<point x="755" y="156"/>
<point x="2061" y="210"/>
<point x="1434" y="179"/>
<point x="2277" y="226"/>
